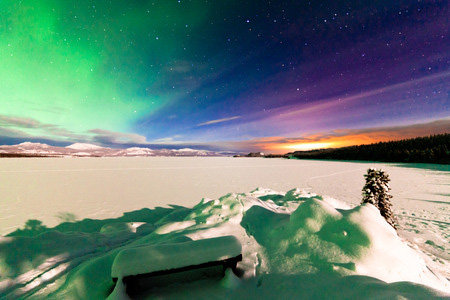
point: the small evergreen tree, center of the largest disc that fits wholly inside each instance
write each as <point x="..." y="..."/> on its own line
<point x="376" y="192"/>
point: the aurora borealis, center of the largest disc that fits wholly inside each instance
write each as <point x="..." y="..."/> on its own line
<point x="223" y="75"/>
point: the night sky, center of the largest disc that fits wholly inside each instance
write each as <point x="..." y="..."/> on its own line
<point x="273" y="76"/>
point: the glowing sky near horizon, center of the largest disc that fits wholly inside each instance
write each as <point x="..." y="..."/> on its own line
<point x="214" y="74"/>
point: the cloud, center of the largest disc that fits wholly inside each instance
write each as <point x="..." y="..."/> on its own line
<point x="66" y="134"/>
<point x="219" y="121"/>
<point x="340" y="137"/>
<point x="168" y="140"/>
<point x="396" y="132"/>
<point x="112" y="137"/>
<point x="26" y="129"/>
<point x="18" y="122"/>
<point x="361" y="108"/>
<point x="334" y="138"/>
<point x="14" y="129"/>
<point x="16" y="133"/>
<point x="21" y="127"/>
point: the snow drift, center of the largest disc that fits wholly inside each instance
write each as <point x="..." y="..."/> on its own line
<point x="294" y="244"/>
<point x="165" y="257"/>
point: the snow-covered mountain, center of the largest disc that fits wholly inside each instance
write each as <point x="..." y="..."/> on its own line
<point x="90" y="150"/>
<point x="83" y="146"/>
<point x="135" y="151"/>
<point x="34" y="149"/>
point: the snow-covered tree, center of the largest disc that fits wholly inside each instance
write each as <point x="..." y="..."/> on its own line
<point x="376" y="191"/>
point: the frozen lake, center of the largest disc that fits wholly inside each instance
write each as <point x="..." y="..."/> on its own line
<point x="47" y="189"/>
<point x="77" y="260"/>
<point x="54" y="190"/>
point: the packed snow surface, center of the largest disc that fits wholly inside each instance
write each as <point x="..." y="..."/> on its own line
<point x="163" y="257"/>
<point x="289" y="240"/>
<point x="295" y="243"/>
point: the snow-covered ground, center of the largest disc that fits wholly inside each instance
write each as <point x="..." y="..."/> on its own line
<point x="309" y="253"/>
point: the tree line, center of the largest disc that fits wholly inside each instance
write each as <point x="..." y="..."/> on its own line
<point x="15" y="155"/>
<point x="431" y="149"/>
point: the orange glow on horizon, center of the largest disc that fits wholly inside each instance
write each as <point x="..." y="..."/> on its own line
<point x="318" y="142"/>
<point x="308" y="146"/>
<point x="347" y="137"/>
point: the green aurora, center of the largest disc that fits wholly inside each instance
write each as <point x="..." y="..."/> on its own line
<point x="222" y="75"/>
<point x="80" y="66"/>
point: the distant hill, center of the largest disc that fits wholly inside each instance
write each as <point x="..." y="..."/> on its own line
<point x="28" y="149"/>
<point x="432" y="149"/>
<point x="251" y="154"/>
<point x="83" y="146"/>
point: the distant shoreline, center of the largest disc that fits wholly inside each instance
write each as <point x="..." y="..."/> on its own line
<point x="434" y="149"/>
<point x="19" y="155"/>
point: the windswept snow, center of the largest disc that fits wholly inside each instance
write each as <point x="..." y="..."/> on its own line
<point x="300" y="240"/>
<point x="163" y="257"/>
<point x="295" y="243"/>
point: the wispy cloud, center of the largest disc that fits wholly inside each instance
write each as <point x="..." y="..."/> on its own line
<point x="19" y="122"/>
<point x="366" y="108"/>
<point x="279" y="144"/>
<point x="337" y="138"/>
<point x="112" y="137"/>
<point x="218" y="121"/>
<point x="16" y="133"/>
<point x="167" y="140"/>
<point x="29" y="127"/>
<point x="25" y="129"/>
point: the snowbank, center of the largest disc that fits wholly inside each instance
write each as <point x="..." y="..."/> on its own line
<point x="294" y="244"/>
<point x="153" y="258"/>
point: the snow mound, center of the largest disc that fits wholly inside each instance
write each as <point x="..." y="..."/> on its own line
<point x="295" y="244"/>
<point x="84" y="146"/>
<point x="148" y="259"/>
